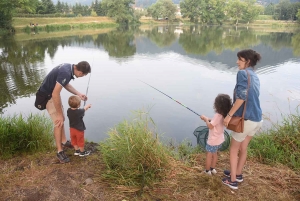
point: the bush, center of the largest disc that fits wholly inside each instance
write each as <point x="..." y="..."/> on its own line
<point x="133" y="154"/>
<point x="20" y="135"/>
<point x="281" y="144"/>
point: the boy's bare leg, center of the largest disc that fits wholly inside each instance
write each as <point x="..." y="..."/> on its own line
<point x="81" y="149"/>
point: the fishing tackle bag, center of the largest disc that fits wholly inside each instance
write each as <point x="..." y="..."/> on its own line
<point x="41" y="100"/>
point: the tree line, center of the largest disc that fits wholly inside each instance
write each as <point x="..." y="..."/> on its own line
<point x="123" y="11"/>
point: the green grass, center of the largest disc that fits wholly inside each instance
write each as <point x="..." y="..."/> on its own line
<point x="265" y="17"/>
<point x="280" y="144"/>
<point x="133" y="153"/>
<point x="19" y="135"/>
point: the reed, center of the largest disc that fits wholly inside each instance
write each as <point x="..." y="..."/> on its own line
<point x="133" y="153"/>
<point x="280" y="144"/>
<point x="19" y="135"/>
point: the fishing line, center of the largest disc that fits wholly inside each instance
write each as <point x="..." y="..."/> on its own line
<point x="201" y="132"/>
<point x="172" y="98"/>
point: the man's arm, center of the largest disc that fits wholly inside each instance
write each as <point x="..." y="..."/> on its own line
<point x="72" y="90"/>
<point x="57" y="104"/>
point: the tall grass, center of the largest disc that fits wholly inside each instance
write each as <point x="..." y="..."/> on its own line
<point x="280" y="144"/>
<point x="133" y="153"/>
<point x="25" y="135"/>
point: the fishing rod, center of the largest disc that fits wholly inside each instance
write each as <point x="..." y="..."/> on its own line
<point x="172" y="99"/>
<point x="87" y="89"/>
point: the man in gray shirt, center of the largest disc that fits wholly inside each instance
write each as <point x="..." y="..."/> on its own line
<point x="57" y="79"/>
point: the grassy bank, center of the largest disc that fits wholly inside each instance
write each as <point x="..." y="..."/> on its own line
<point x="61" y="24"/>
<point x="23" y="22"/>
<point x="134" y="164"/>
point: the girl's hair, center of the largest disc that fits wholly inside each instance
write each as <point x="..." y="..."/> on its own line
<point x="249" y="55"/>
<point x="222" y="104"/>
<point x="74" y="101"/>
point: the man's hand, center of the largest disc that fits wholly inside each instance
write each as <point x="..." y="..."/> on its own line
<point x="59" y="122"/>
<point x="83" y="97"/>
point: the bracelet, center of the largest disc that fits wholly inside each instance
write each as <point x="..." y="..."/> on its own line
<point x="229" y="115"/>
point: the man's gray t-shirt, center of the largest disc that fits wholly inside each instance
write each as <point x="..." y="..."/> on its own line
<point x="76" y="118"/>
<point x="61" y="74"/>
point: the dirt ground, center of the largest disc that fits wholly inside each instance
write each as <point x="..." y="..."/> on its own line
<point x="42" y="177"/>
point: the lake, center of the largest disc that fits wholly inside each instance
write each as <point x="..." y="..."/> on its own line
<point x="190" y="64"/>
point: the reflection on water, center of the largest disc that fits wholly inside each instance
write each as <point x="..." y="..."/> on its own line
<point x="193" y="64"/>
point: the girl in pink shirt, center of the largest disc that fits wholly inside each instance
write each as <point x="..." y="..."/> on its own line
<point x="215" y="139"/>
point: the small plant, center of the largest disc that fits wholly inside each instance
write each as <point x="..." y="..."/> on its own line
<point x="133" y="153"/>
<point x="20" y="135"/>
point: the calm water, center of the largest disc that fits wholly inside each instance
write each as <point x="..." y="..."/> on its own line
<point x="192" y="65"/>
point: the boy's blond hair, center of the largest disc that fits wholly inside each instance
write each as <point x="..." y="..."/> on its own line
<point x="74" y="101"/>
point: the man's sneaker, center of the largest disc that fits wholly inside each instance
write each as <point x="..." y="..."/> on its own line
<point x="231" y="184"/>
<point x="77" y="152"/>
<point x="239" y="178"/>
<point x="84" y="153"/>
<point x="208" y="173"/>
<point x="67" y="144"/>
<point x="214" y="171"/>
<point x="62" y="157"/>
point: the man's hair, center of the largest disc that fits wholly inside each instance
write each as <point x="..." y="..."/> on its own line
<point x="222" y="104"/>
<point x="84" y="67"/>
<point x="74" y="101"/>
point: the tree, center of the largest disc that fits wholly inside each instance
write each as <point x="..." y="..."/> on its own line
<point x="59" y="7"/>
<point x="93" y="13"/>
<point x="270" y="9"/>
<point x="235" y="9"/>
<point x="120" y="10"/>
<point x="155" y="10"/>
<point x="251" y="11"/>
<point x="212" y="11"/>
<point x="66" y="8"/>
<point x="101" y="10"/>
<point x="190" y="9"/>
<point x="298" y="15"/>
<point x="282" y="10"/>
<point x="49" y="6"/>
<point x="7" y="7"/>
<point x="164" y="9"/>
<point x="169" y="9"/>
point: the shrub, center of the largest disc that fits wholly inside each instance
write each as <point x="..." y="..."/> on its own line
<point x="133" y="153"/>
<point x="25" y="135"/>
<point x="281" y="144"/>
